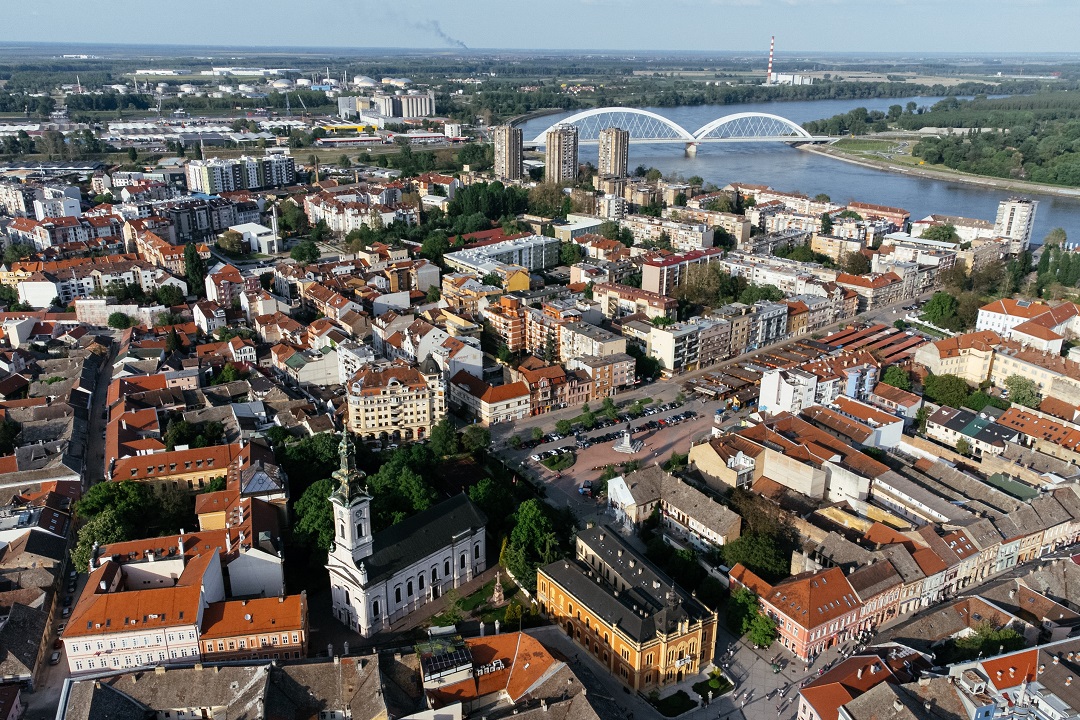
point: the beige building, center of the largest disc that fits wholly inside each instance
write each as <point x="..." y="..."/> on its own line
<point x="835" y="247"/>
<point x="561" y="154"/>
<point x="396" y="402"/>
<point x="968" y="356"/>
<point x="490" y="405"/>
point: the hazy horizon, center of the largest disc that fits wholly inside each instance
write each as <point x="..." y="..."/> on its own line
<point x="996" y="27"/>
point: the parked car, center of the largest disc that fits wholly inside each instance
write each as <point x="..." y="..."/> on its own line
<point x="65" y="613"/>
<point x="586" y="488"/>
<point x="60" y="628"/>
<point x="54" y="659"/>
<point x="67" y="601"/>
<point x="535" y="458"/>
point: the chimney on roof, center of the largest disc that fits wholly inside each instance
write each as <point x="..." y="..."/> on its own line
<point x="859" y="674"/>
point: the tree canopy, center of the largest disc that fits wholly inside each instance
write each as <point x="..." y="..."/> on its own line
<point x="1023" y="391"/>
<point x="950" y="390"/>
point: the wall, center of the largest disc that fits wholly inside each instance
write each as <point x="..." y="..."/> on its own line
<point x="255" y="572"/>
<point x="96" y="311"/>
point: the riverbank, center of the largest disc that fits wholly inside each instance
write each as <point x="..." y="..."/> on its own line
<point x="984" y="181"/>
<point x="517" y="120"/>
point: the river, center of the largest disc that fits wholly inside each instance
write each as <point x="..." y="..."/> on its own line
<point x="786" y="168"/>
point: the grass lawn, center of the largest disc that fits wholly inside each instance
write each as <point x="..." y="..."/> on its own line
<point x="926" y="329"/>
<point x="676" y="704"/>
<point x="717" y="683"/>
<point x="477" y="604"/>
<point x="560" y="462"/>
<point x="865" y="145"/>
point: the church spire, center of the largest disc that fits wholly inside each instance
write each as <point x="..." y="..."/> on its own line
<point x="351" y="484"/>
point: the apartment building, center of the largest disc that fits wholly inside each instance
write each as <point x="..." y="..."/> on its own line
<point x="577" y="339"/>
<point x="507" y="322"/>
<point x="682" y="236"/>
<point x="737" y="226"/>
<point x="533" y="253"/>
<point x="662" y="275"/>
<point x="508" y="165"/>
<point x="214" y="176"/>
<point x="609" y="374"/>
<point x="225" y="283"/>
<point x="873" y="290"/>
<point x="561" y="154"/>
<point x="396" y="403"/>
<point x="645" y="630"/>
<point x="614" y="154"/>
<point x="675" y="346"/>
<point x="620" y="300"/>
<point x="1015" y="220"/>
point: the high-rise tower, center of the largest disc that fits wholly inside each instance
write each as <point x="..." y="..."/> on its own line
<point x="561" y="154"/>
<point x="507" y="152"/>
<point x="614" y="152"/>
<point x="1015" y="218"/>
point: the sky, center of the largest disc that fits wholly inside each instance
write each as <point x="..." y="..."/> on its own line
<point x="923" y="26"/>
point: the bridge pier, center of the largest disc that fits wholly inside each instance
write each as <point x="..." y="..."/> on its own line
<point x="691" y="148"/>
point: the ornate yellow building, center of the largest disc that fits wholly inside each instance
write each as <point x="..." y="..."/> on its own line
<point x="620" y="607"/>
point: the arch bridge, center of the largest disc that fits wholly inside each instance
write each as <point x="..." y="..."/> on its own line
<point x="648" y="127"/>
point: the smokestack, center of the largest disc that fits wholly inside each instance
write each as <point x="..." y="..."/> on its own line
<point x="772" y="48"/>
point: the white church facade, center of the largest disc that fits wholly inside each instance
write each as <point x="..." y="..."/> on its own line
<point x="378" y="579"/>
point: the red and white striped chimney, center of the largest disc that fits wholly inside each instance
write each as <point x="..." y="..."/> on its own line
<point x="772" y="47"/>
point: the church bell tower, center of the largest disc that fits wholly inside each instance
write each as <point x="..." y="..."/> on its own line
<point x="352" y="508"/>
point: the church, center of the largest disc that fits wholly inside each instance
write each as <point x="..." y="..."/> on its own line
<point x="378" y="579"/>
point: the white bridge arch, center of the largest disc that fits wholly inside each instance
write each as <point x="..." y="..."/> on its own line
<point x="648" y="127"/>
<point x="752" y="124"/>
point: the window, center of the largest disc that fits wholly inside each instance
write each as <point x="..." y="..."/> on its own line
<point x="409" y="589"/>
<point x="476" y="551"/>
<point x="434" y="576"/>
<point x="420" y="579"/>
<point x="397" y="594"/>
<point x="375" y="610"/>
<point x="446" y="568"/>
<point x="341" y="530"/>
<point x="461" y="562"/>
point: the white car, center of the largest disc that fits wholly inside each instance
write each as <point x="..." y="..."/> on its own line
<point x="535" y="458"/>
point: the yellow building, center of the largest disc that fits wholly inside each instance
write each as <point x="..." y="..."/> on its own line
<point x="189" y="470"/>
<point x="617" y="605"/>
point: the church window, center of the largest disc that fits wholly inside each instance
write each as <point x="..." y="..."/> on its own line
<point x="476" y="551"/>
<point x="359" y="529"/>
<point x="341" y="530"/>
<point x="397" y="594"/>
<point x="434" y="576"/>
<point x="461" y="562"/>
<point x="420" y="579"/>
<point x="446" y="568"/>
<point x="375" y="609"/>
<point x="410" y="588"/>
